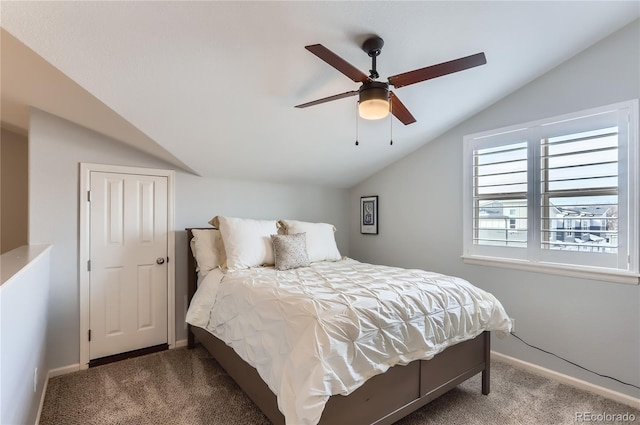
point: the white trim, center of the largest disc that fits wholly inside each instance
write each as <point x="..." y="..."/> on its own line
<point x="181" y="343"/>
<point x="52" y="374"/>
<point x="64" y="370"/>
<point x="42" y="396"/>
<point x="568" y="380"/>
<point x="83" y="274"/>
<point x="582" y="272"/>
<point x="171" y="264"/>
<point x="85" y="185"/>
<point x="634" y="181"/>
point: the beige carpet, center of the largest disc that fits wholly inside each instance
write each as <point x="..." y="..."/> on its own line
<point x="189" y="387"/>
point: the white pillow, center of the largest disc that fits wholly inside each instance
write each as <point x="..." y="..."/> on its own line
<point x="321" y="241"/>
<point x="247" y="242"/>
<point x="207" y="249"/>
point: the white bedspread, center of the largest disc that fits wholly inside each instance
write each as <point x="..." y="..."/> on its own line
<point x="322" y="330"/>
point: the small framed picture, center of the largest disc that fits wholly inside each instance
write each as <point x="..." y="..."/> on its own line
<point x="369" y="215"/>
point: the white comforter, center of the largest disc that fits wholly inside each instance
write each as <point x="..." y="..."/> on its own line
<point x="322" y="330"/>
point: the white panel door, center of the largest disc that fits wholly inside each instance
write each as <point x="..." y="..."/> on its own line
<point x="128" y="263"/>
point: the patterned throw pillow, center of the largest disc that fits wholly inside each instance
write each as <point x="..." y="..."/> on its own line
<point x="290" y="251"/>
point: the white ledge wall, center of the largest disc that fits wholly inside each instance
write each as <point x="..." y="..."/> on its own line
<point x="24" y="298"/>
<point x="593" y="323"/>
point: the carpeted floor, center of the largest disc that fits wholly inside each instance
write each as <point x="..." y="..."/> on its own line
<point x="189" y="387"/>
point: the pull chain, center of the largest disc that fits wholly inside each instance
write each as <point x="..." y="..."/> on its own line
<point x="357" y="143"/>
<point x="390" y="123"/>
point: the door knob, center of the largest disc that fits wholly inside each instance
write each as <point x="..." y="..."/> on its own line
<point x="160" y="260"/>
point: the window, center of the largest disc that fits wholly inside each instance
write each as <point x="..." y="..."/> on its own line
<point x="557" y="195"/>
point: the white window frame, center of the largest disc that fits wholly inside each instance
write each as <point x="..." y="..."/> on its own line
<point x="624" y="268"/>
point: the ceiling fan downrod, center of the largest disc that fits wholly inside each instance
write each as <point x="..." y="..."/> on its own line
<point x="373" y="47"/>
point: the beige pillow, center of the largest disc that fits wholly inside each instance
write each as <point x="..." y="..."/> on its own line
<point x="321" y="241"/>
<point x="207" y="249"/>
<point x="247" y="242"/>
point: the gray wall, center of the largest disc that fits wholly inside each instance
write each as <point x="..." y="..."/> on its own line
<point x="593" y="323"/>
<point x="56" y="147"/>
<point x="13" y="192"/>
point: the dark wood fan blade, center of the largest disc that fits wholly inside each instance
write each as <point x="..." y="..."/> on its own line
<point x="338" y="63"/>
<point x="439" y="70"/>
<point x="328" y="99"/>
<point x="400" y="111"/>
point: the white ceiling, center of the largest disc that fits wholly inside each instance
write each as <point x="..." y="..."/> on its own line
<point x="211" y="86"/>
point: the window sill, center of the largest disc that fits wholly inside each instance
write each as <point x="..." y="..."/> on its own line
<point x="583" y="272"/>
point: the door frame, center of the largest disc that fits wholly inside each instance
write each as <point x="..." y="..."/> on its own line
<point x="84" y="247"/>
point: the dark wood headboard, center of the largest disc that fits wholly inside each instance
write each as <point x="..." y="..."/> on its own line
<point x="192" y="277"/>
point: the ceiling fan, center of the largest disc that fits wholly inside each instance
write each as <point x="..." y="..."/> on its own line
<point x="375" y="98"/>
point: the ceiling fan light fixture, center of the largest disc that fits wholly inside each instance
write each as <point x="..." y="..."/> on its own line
<point x="374" y="100"/>
<point x="373" y="109"/>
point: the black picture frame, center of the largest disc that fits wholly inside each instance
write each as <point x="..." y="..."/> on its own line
<point x="369" y="215"/>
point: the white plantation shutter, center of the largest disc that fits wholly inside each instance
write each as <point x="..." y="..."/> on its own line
<point x="500" y="195"/>
<point x="560" y="191"/>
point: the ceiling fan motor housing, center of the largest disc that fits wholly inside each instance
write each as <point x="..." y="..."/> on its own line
<point x="374" y="90"/>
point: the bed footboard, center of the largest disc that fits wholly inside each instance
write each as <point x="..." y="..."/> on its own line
<point x="413" y="385"/>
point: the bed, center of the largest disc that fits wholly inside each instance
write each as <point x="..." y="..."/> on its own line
<point x="396" y="388"/>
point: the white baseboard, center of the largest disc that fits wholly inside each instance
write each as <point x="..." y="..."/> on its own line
<point x="52" y="373"/>
<point x="180" y="343"/>
<point x="64" y="370"/>
<point x="44" y="393"/>
<point x="568" y="380"/>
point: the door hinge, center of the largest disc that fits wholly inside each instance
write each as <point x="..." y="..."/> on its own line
<point x="88" y="196"/>
<point x="89" y="265"/>
<point x="167" y="259"/>
<point x="89" y="335"/>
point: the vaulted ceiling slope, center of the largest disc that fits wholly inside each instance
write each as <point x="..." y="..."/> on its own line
<point x="27" y="81"/>
<point x="211" y="86"/>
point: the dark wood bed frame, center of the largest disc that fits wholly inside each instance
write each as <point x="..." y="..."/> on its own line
<point x="383" y="399"/>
